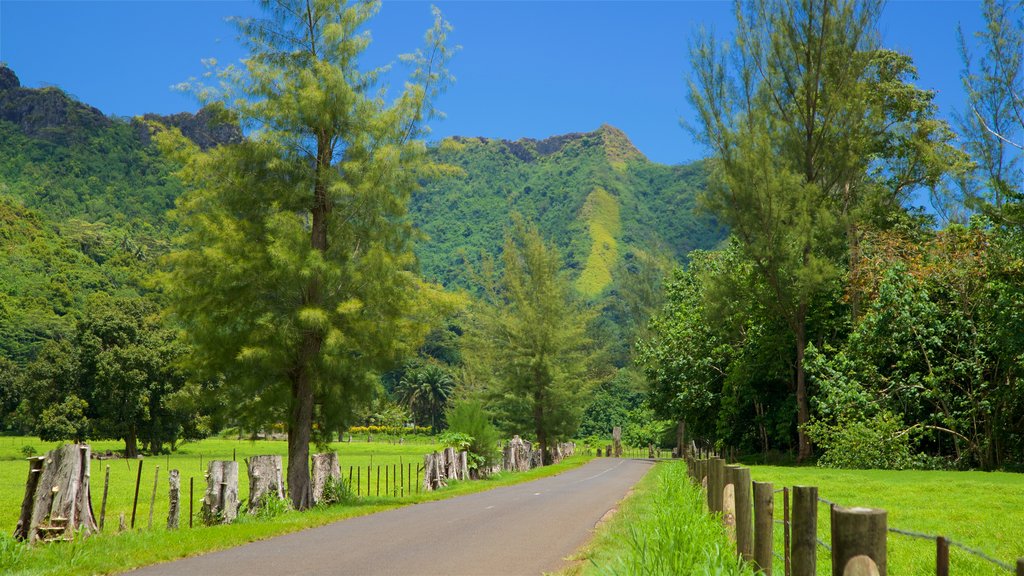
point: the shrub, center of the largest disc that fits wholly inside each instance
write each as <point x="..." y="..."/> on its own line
<point x="28" y="451"/>
<point x="270" y="506"/>
<point x="877" y="442"/>
<point x="469" y="419"/>
<point x="391" y="430"/>
<point x="336" y="491"/>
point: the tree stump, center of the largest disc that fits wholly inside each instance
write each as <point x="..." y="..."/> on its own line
<point x="451" y="467"/>
<point x="265" y="479"/>
<point x="57" y="501"/>
<point x="617" y="441"/>
<point x="463" y="465"/>
<point x="220" y="505"/>
<point x="325" y="466"/>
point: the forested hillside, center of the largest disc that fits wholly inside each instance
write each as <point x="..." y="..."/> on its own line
<point x="593" y="194"/>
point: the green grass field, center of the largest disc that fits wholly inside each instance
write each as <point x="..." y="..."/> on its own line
<point x="983" y="510"/>
<point x="111" y="552"/>
<point x="191" y="460"/>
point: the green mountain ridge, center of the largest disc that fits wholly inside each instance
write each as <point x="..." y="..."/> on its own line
<point x="84" y="200"/>
<point x="594" y="194"/>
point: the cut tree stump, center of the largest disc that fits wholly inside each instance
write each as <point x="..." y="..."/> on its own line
<point x="463" y="465"/>
<point x="220" y="505"/>
<point x="57" y="501"/>
<point x="325" y="466"/>
<point x="264" y="479"/>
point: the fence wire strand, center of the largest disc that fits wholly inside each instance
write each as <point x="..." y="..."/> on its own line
<point x="973" y="551"/>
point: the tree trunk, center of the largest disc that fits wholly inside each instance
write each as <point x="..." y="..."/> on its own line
<point x="174" y="496"/>
<point x="540" y="428"/>
<point x="802" y="408"/>
<point x="299" y="429"/>
<point x="131" y="443"/>
<point x="57" y="499"/>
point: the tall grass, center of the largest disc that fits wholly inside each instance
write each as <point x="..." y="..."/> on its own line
<point x="663" y="530"/>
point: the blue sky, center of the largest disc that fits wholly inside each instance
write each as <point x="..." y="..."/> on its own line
<point x="526" y="68"/>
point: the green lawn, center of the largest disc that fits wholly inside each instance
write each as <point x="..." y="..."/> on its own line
<point x="112" y="552"/>
<point x="984" y="510"/>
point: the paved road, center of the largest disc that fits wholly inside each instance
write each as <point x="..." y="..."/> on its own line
<point x="524" y="529"/>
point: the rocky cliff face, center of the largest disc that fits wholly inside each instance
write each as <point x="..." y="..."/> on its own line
<point x="203" y="128"/>
<point x="46" y="113"/>
<point x="50" y="114"/>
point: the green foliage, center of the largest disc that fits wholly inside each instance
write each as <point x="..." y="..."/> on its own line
<point x="527" y="341"/>
<point x="992" y="128"/>
<point x="880" y="441"/>
<point x="28" y="451"/>
<point x="337" y="491"/>
<point x="612" y="403"/>
<point x="64" y="421"/>
<point x="314" y="205"/>
<point x="460" y="441"/>
<point x="469" y="419"/>
<point x="426" y="391"/>
<point x="270" y="506"/>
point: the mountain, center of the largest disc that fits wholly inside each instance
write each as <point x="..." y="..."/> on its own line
<point x="594" y="194"/>
<point x="83" y="207"/>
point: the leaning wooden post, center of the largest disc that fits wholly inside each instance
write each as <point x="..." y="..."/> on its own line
<point x="135" y="503"/>
<point x="858" y="532"/>
<point x="103" y="507"/>
<point x="191" y="497"/>
<point x="764" y="526"/>
<point x="805" y="530"/>
<point x="174" y="497"/>
<point x="152" y="497"/>
<point x="744" y="528"/>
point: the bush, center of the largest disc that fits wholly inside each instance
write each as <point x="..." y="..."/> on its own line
<point x="270" y="506"/>
<point x="469" y="419"/>
<point x="391" y="430"/>
<point x="336" y="491"/>
<point x="28" y="451"/>
<point x="879" y="442"/>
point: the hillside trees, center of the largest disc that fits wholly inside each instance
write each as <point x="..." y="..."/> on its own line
<point x="527" y="341"/>
<point x="816" y="135"/>
<point x="294" y="276"/>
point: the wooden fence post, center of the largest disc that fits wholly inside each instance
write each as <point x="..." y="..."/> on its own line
<point x="191" y="497"/>
<point x="744" y="528"/>
<point x="764" y="526"/>
<point x="858" y="532"/>
<point x="103" y="507"/>
<point x="174" y="499"/>
<point x="716" y="483"/>
<point x="787" y="529"/>
<point x="1020" y="566"/>
<point x="152" y="497"/>
<point x="805" y="530"/>
<point x="138" y="480"/>
<point x="941" y="556"/>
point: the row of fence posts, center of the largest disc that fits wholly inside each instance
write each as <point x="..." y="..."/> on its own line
<point x="397" y="480"/>
<point x="858" y="534"/>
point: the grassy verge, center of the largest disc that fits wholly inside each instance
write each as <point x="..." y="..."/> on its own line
<point x="660" y="529"/>
<point x="984" y="510"/>
<point x="110" y="552"/>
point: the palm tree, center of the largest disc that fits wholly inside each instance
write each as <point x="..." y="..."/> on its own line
<point x="426" y="390"/>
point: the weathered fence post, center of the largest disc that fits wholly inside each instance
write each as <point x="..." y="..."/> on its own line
<point x="325" y="467"/>
<point x="135" y="502"/>
<point x="805" y="530"/>
<point x="152" y="497"/>
<point x="681" y="440"/>
<point x="764" y="526"/>
<point x="265" y="479"/>
<point x="174" y="496"/>
<point x="744" y="528"/>
<point x="858" y="532"/>
<point x="1020" y="566"/>
<point x="103" y="507"/>
<point x="787" y="529"/>
<point x="617" y="441"/>
<point x="716" y="483"/>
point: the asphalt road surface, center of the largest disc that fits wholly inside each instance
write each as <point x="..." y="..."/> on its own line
<point x="523" y="529"/>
